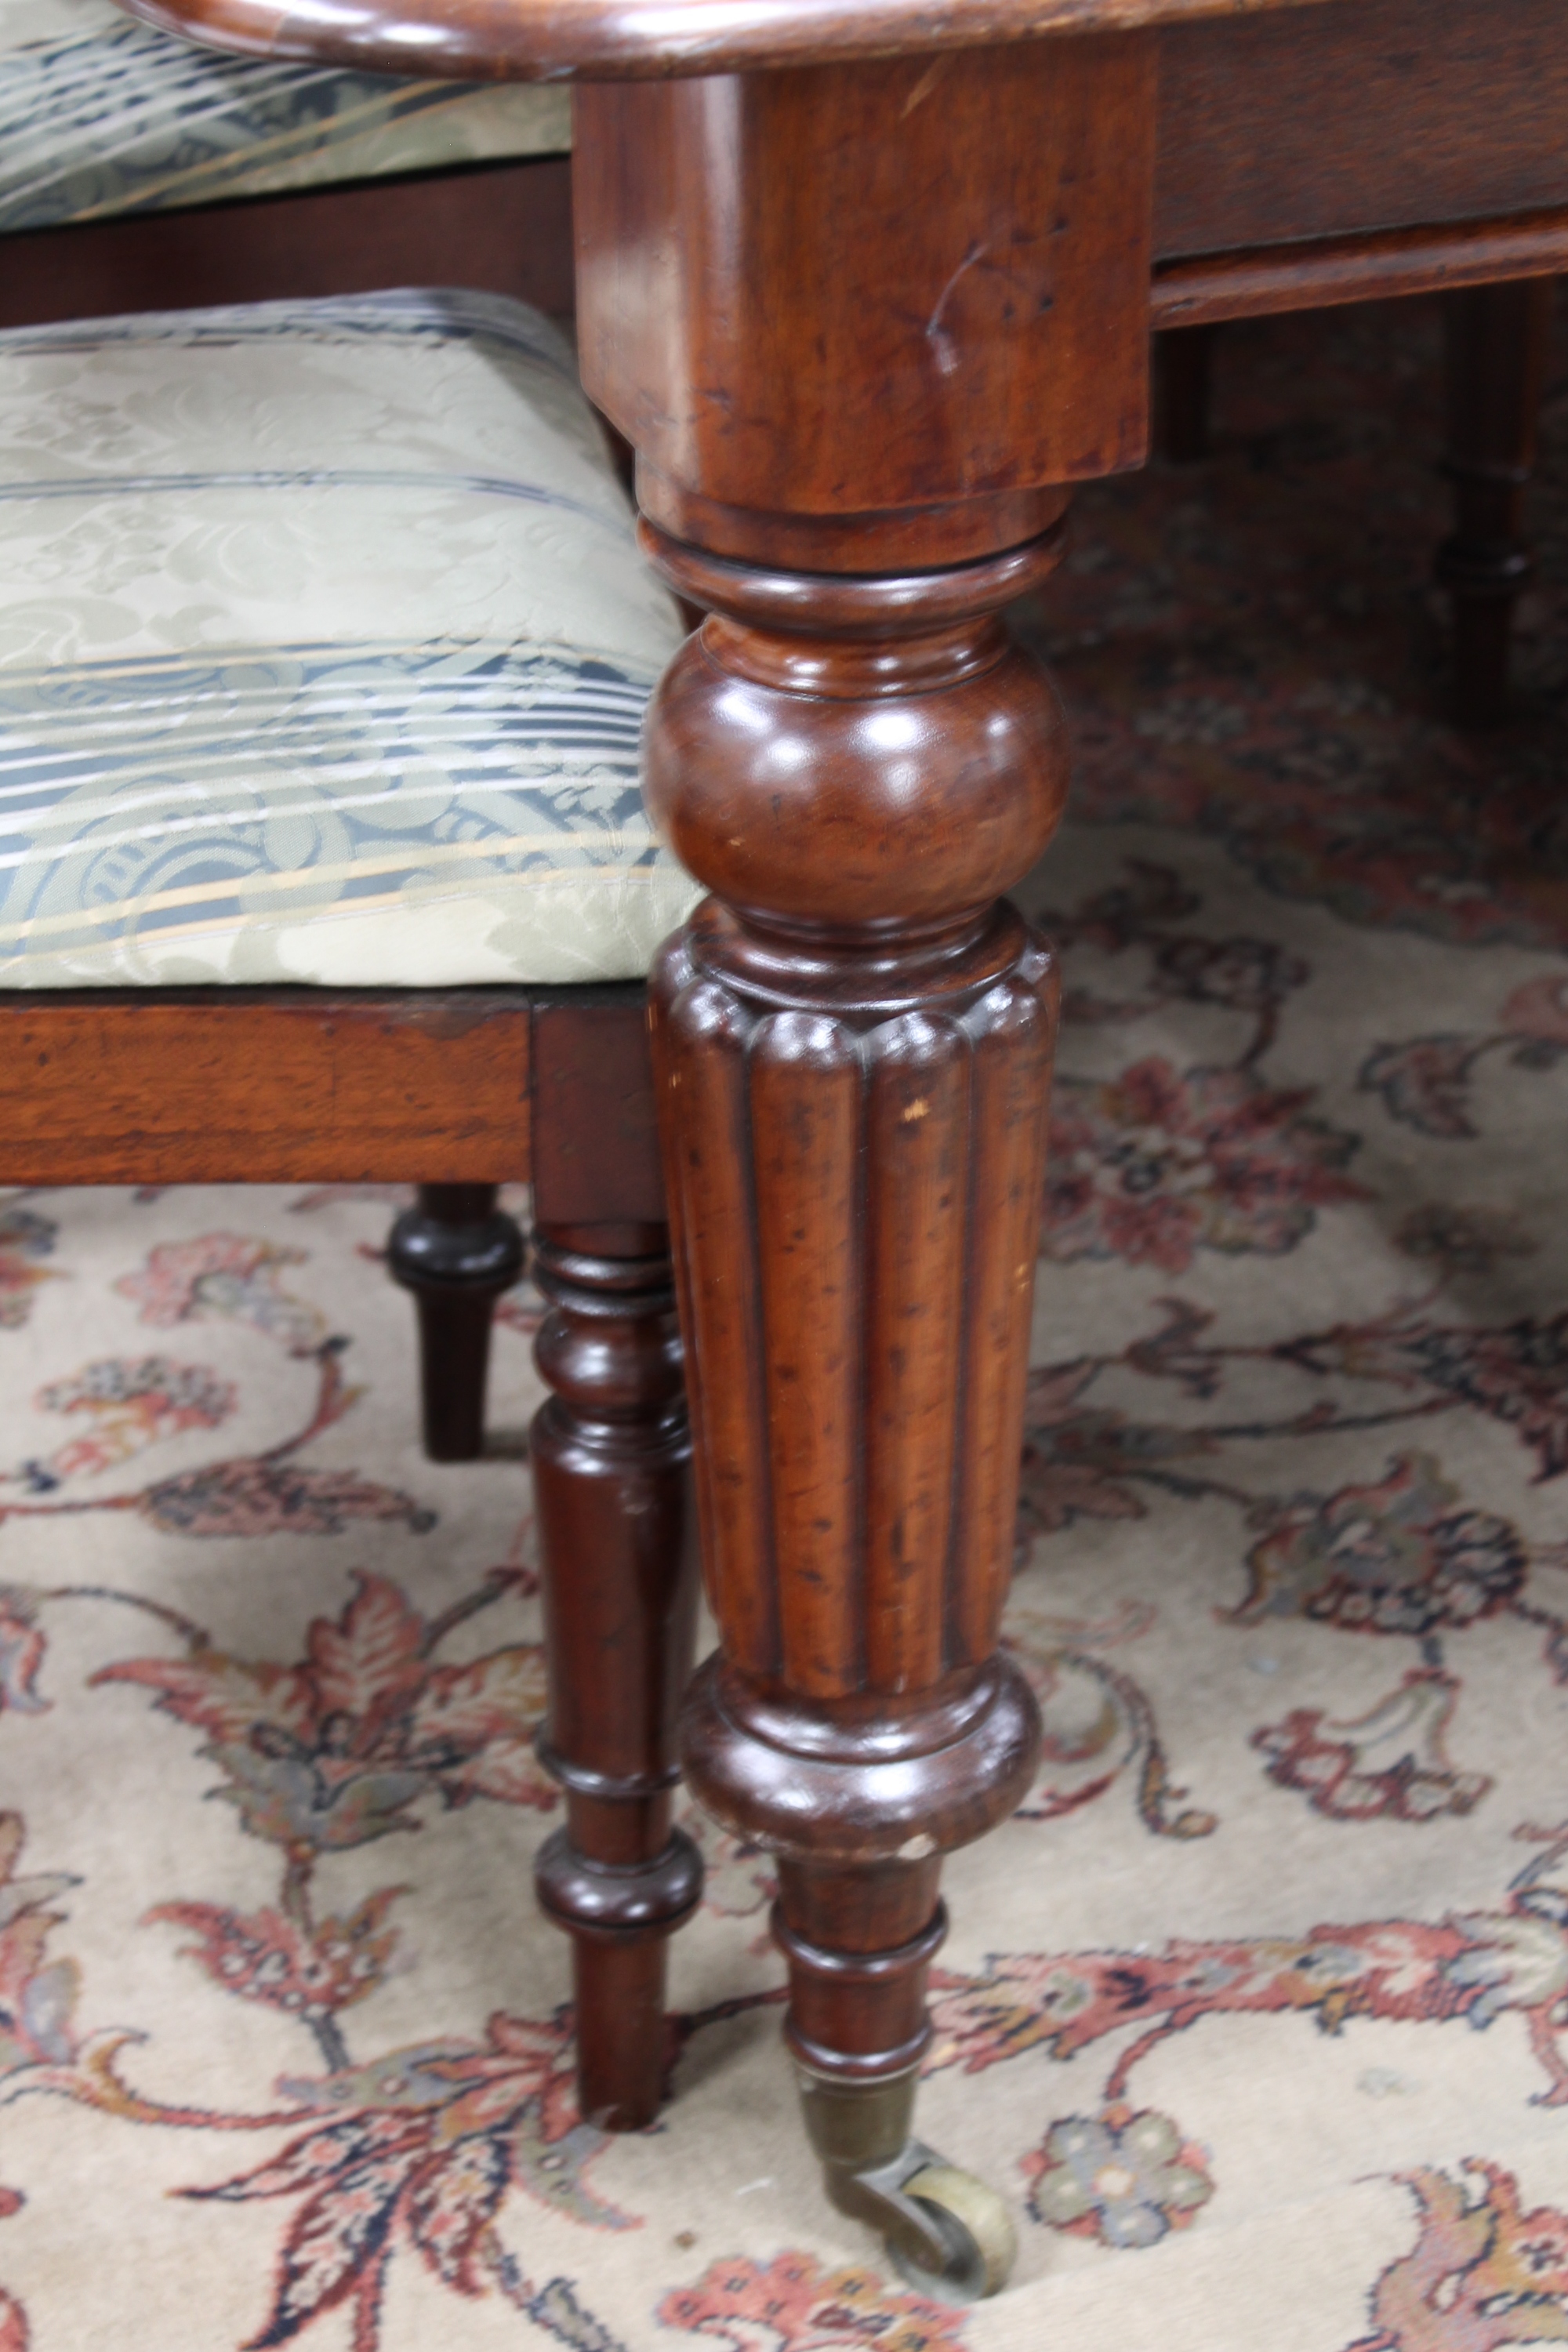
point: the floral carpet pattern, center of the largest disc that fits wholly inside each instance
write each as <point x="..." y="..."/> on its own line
<point x="1258" y="2010"/>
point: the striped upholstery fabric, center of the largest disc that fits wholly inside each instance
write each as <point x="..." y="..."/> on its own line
<point x="100" y="115"/>
<point x="324" y="644"/>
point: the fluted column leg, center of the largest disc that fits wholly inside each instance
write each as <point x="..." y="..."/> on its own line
<point x="852" y="1045"/>
<point x="611" y="1457"/>
<point x="1497" y="340"/>
<point x="457" y="1253"/>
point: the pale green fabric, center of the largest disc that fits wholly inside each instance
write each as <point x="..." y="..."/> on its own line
<point x="324" y="645"/>
<point x="101" y="115"/>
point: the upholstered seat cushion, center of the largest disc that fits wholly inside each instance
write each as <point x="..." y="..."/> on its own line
<point x="100" y="115"/>
<point x="324" y="644"/>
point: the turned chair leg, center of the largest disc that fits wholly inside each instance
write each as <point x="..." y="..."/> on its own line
<point x="611" y="1456"/>
<point x="457" y="1253"/>
<point x="1496" y="354"/>
<point x="1184" y="372"/>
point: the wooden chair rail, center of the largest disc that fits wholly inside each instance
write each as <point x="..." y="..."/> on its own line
<point x="1315" y="275"/>
<point x="318" y="1086"/>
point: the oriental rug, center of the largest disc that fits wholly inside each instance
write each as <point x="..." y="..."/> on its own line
<point x="1258" y="2011"/>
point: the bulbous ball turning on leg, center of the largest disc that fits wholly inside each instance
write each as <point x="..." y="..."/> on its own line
<point x="852" y="1045"/>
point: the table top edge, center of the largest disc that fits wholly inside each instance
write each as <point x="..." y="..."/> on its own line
<point x="613" y="40"/>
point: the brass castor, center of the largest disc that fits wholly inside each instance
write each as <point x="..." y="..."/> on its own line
<point x="977" y="2226"/>
<point x="950" y="2235"/>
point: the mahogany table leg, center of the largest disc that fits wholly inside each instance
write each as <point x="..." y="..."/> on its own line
<point x="1497" y="341"/>
<point x="855" y="412"/>
<point x="457" y="1253"/>
<point x="611" y="1456"/>
<point x="852" y="1055"/>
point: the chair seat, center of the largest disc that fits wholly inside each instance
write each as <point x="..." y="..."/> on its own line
<point x="324" y="646"/>
<point x="99" y="116"/>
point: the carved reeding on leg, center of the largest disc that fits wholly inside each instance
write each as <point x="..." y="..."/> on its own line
<point x="457" y="1253"/>
<point x="852" y="1045"/>
<point x="611" y="1455"/>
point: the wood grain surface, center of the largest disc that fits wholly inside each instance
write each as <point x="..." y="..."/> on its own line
<point x="952" y="350"/>
<point x="240" y="1085"/>
<point x="1377" y="115"/>
<point x="596" y="1129"/>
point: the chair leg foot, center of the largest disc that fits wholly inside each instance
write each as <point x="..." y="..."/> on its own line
<point x="457" y="1253"/>
<point x="1495" y="356"/>
<point x="611" y="1460"/>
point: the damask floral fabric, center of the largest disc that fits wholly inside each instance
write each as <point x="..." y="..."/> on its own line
<point x="99" y="116"/>
<point x="324" y="646"/>
<point x="1258" y="2011"/>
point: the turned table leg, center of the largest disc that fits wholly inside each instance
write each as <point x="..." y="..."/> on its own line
<point x="855" y="411"/>
<point x="611" y="1457"/>
<point x="853" y="1056"/>
<point x="457" y="1253"/>
<point x="1497" y="341"/>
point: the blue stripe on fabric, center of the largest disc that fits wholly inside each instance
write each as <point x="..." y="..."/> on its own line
<point x="111" y="123"/>
<point x="296" y="779"/>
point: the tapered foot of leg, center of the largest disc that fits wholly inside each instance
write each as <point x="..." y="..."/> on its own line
<point x="1497" y="340"/>
<point x="858" y="2027"/>
<point x="457" y="1253"/>
<point x="611" y="1466"/>
<point x="950" y="2233"/>
<point x="620" y="1918"/>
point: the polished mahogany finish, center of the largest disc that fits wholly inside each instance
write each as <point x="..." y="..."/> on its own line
<point x="596" y="1130"/>
<point x="853" y="1052"/>
<point x="1258" y="282"/>
<point x="611" y="1456"/>
<point x="1295" y="124"/>
<point x="990" y="345"/>
<point x="456" y="1252"/>
<point x="1497" y="341"/>
<point x="630" y="40"/>
<point x="264" y="1086"/>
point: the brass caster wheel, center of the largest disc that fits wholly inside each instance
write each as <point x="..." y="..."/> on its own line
<point x="974" y="2226"/>
<point x="951" y="2237"/>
